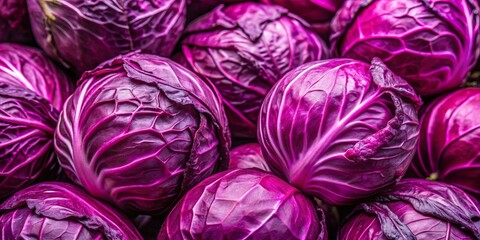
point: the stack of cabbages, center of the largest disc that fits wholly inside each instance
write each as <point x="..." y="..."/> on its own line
<point x="229" y="119"/>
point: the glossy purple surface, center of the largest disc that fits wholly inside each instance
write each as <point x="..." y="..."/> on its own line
<point x="243" y="49"/>
<point x="340" y="129"/>
<point x="30" y="68"/>
<point x="243" y="204"/>
<point x="140" y="130"/>
<point x="53" y="210"/>
<point x="415" y="209"/>
<point x="430" y="43"/>
<point x="27" y="124"/>
<point x="248" y="156"/>
<point x="448" y="148"/>
<point x="82" y="34"/>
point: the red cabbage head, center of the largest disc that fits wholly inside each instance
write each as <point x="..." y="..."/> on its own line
<point x="30" y="68"/>
<point x="140" y="130"/>
<point x="448" y="146"/>
<point x="244" y="204"/>
<point x="27" y="125"/>
<point x="415" y="209"/>
<point x="53" y="210"/>
<point x="243" y="49"/>
<point x="82" y="34"/>
<point x="340" y="129"/>
<point x="432" y="44"/>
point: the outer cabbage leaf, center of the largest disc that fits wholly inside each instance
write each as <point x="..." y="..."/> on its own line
<point x="430" y="43"/>
<point x="415" y="209"/>
<point x="30" y="68"/>
<point x="244" y="49"/>
<point x="14" y="23"/>
<point x="448" y="148"/>
<point x="53" y="210"/>
<point x="243" y="204"/>
<point x="82" y="34"/>
<point x="319" y="13"/>
<point x="248" y="156"/>
<point x="140" y="130"/>
<point x="27" y="124"/>
<point x="340" y="129"/>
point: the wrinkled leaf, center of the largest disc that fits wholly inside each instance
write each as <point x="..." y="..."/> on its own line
<point x="140" y="130"/>
<point x="243" y="49"/>
<point x="31" y="69"/>
<point x="448" y="145"/>
<point x="415" y="209"/>
<point x="27" y="124"/>
<point x="241" y="204"/>
<point x="340" y="129"/>
<point x="53" y="210"/>
<point x="432" y="44"/>
<point x="82" y="34"/>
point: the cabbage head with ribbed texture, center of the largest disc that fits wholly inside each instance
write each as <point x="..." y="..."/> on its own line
<point x="243" y="49"/>
<point x="30" y="68"/>
<point x="448" y="145"/>
<point x="82" y="34"/>
<point x="432" y="44"/>
<point x="415" y="209"/>
<point x="244" y="204"/>
<point x="340" y="129"/>
<point x="140" y="130"/>
<point x="53" y="210"/>
<point x="27" y="125"/>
